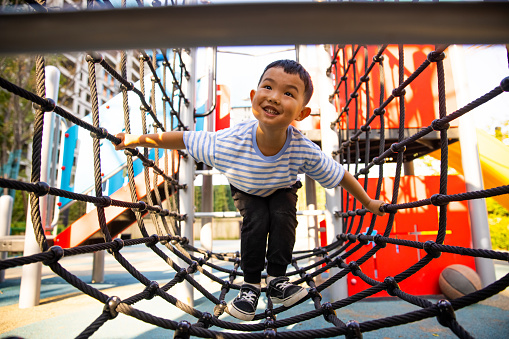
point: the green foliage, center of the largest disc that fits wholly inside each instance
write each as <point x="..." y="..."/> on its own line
<point x="498" y="219"/>
<point x="15" y="113"/>
<point x="223" y="201"/>
<point x="19" y="212"/>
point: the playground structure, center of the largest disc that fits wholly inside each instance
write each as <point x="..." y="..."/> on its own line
<point x="347" y="213"/>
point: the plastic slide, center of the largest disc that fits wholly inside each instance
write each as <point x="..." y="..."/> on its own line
<point x="494" y="158"/>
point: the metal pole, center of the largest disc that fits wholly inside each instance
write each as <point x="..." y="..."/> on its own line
<point x="30" y="288"/>
<point x="313" y="238"/>
<point x="316" y="59"/>
<point x="6" y="202"/>
<point x="187" y="169"/>
<point x="472" y="173"/>
<point x="98" y="268"/>
<point x="207" y="188"/>
<point x="48" y="142"/>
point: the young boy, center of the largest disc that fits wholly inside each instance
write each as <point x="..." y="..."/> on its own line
<point x="261" y="159"/>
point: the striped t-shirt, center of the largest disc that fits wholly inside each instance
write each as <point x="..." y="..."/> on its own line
<point x="234" y="152"/>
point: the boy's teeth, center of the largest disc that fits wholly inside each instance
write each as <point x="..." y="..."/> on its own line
<point x="271" y="111"/>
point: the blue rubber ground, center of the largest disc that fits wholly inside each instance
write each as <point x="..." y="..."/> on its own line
<point x="75" y="311"/>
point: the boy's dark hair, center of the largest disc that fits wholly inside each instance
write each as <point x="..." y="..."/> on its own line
<point x="293" y="67"/>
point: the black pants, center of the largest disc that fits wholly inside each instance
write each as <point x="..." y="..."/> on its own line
<point x="274" y="217"/>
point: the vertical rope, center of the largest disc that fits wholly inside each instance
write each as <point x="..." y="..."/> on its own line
<point x="444" y="146"/>
<point x="97" y="150"/>
<point x="36" y="154"/>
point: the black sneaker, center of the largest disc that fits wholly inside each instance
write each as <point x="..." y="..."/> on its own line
<point x="282" y="291"/>
<point x="243" y="307"/>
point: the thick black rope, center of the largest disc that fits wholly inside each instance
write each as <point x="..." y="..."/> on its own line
<point x="443" y="311"/>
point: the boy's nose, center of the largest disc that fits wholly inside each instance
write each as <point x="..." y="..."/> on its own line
<point x="274" y="99"/>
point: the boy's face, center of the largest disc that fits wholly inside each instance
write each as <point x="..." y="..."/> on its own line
<point x="279" y="99"/>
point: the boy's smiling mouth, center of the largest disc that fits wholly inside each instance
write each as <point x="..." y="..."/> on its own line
<point x="271" y="110"/>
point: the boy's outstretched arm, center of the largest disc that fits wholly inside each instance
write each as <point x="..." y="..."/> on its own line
<point x="168" y="140"/>
<point x="354" y="187"/>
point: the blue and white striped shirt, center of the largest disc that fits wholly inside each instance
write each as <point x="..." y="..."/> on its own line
<point x="234" y="152"/>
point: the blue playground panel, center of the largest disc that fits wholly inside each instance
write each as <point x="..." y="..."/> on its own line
<point x="78" y="147"/>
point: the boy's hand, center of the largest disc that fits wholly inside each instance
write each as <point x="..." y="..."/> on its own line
<point x="126" y="140"/>
<point x="374" y="207"/>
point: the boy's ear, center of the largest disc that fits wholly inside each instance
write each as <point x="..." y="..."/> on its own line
<point x="252" y="94"/>
<point x="306" y="111"/>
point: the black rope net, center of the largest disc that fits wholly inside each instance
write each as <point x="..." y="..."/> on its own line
<point x="169" y="245"/>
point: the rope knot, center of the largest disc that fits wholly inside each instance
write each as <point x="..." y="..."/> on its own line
<point x="152" y="240"/>
<point x="446" y="314"/>
<point x="156" y="209"/>
<point x="328" y="312"/>
<point x="192" y="268"/>
<point x="48" y="106"/>
<point x="354" y="268"/>
<point x="182" y="331"/>
<point x="428" y="247"/>
<point x="180" y="275"/>
<point x="151" y="289"/>
<point x="396" y="148"/>
<point x="206" y="319"/>
<point x="439" y="125"/>
<point x="103" y="201"/>
<point x="391" y="284"/>
<point x="353" y="330"/>
<point x="128" y="87"/>
<point x="94" y="57"/>
<point x="436" y="56"/>
<point x="57" y="254"/>
<point x="270" y="333"/>
<point x="149" y="163"/>
<point x="313" y="292"/>
<point x="269" y="314"/>
<point x="378" y="161"/>
<point x="42" y="188"/>
<point x="378" y="111"/>
<point x="379" y="242"/>
<point x="118" y="244"/>
<point x="219" y="308"/>
<point x="435" y="200"/>
<point x="99" y="133"/>
<point x="202" y="261"/>
<point x="143" y="57"/>
<point x="133" y="152"/>
<point x="362" y="238"/>
<point x="398" y="92"/>
<point x="504" y="84"/>
<point x="110" y="307"/>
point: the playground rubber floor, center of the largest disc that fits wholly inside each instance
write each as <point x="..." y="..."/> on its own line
<point x="64" y="312"/>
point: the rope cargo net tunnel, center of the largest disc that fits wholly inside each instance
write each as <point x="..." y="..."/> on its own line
<point x="375" y="123"/>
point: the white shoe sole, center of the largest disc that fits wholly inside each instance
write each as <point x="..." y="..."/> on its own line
<point x="239" y="314"/>
<point x="290" y="300"/>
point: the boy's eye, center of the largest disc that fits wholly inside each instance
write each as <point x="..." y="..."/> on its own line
<point x="267" y="87"/>
<point x="289" y="94"/>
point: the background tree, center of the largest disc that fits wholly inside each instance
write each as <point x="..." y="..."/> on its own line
<point x="16" y="116"/>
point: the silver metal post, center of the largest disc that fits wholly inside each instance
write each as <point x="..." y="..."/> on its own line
<point x="187" y="168"/>
<point x="316" y="59"/>
<point x="6" y="203"/>
<point x="472" y="170"/>
<point x="98" y="268"/>
<point x="30" y="288"/>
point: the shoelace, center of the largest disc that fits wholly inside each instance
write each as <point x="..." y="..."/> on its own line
<point x="249" y="296"/>
<point x="283" y="285"/>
